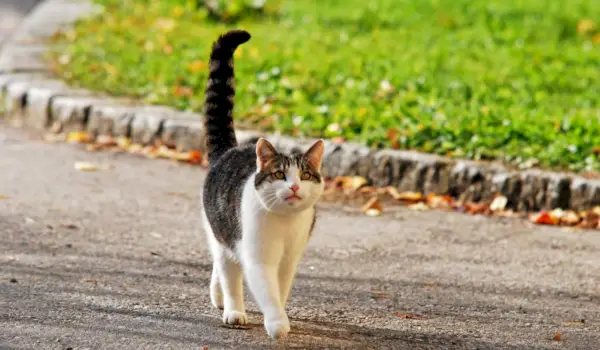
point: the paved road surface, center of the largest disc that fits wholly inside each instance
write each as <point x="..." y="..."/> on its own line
<point x="12" y="13"/>
<point x="116" y="259"/>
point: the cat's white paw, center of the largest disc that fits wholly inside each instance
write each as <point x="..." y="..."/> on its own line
<point x="234" y="317"/>
<point x="278" y="328"/>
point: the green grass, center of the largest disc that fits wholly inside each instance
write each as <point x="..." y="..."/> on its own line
<point x="516" y="80"/>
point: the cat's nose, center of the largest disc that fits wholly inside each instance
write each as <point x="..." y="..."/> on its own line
<point x="294" y="187"/>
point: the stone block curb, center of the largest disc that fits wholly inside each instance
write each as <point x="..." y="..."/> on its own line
<point x="28" y="95"/>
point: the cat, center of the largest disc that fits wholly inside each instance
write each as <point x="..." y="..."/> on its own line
<point x="258" y="204"/>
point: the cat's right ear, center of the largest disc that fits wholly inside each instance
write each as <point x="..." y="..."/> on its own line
<point x="264" y="153"/>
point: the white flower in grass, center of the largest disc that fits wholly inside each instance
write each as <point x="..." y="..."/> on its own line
<point x="334" y="127"/>
<point x="297" y="120"/>
<point x="323" y="109"/>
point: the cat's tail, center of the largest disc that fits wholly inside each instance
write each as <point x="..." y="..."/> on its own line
<point x="220" y="93"/>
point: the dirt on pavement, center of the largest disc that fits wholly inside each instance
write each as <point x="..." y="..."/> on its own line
<point x="117" y="259"/>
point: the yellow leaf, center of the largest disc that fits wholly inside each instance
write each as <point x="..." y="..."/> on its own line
<point x="196" y="66"/>
<point x="419" y="206"/>
<point x="586" y="26"/>
<point x="350" y="182"/>
<point x="78" y="137"/>
<point x="373" y="207"/>
<point x="86" y="166"/>
<point x="178" y="11"/>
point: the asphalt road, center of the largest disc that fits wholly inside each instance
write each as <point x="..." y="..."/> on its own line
<point x="117" y="259"/>
<point x="12" y="13"/>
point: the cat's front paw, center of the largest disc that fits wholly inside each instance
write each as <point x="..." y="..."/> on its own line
<point x="277" y="328"/>
<point x="234" y="317"/>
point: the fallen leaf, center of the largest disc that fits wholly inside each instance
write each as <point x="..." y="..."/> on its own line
<point x="91" y="280"/>
<point x="105" y="140"/>
<point x="154" y="254"/>
<point x="405" y="196"/>
<point x="410" y="316"/>
<point x="373" y="212"/>
<point x="543" y="218"/>
<point x="78" y="137"/>
<point x="3" y="196"/>
<point x="431" y="284"/>
<point x="438" y="202"/>
<point x="196" y="66"/>
<point x="586" y="26"/>
<point x="476" y="208"/>
<point x="499" y="203"/>
<point x="379" y="294"/>
<point x="69" y="226"/>
<point x="183" y="91"/>
<point x="419" y="206"/>
<point x="350" y="182"/>
<point x="575" y="323"/>
<point x="123" y="142"/>
<point x="570" y="218"/>
<point x="557" y="337"/>
<point x="373" y="207"/>
<point x="589" y="220"/>
<point x="88" y="166"/>
<point x="393" y="136"/>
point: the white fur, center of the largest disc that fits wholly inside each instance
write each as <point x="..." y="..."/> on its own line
<point x="275" y="233"/>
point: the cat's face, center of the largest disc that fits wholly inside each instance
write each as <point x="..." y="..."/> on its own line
<point x="288" y="183"/>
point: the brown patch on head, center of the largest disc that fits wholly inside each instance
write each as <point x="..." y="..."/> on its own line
<point x="265" y="154"/>
<point x="269" y="161"/>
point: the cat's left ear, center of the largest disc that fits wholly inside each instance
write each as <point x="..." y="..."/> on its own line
<point x="314" y="155"/>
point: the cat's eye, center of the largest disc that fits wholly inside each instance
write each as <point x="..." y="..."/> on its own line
<point x="305" y="176"/>
<point x="279" y="175"/>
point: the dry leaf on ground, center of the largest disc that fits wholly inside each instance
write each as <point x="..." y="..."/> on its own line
<point x="410" y="316"/>
<point x="89" y="166"/>
<point x="350" y="182"/>
<point x="78" y="137"/>
<point x="557" y="337"/>
<point x="544" y="218"/>
<point x="3" y="196"/>
<point x="499" y="203"/>
<point x="420" y="206"/>
<point x="405" y="196"/>
<point x="476" y="208"/>
<point x="373" y="207"/>
<point x="575" y="323"/>
<point x="438" y="202"/>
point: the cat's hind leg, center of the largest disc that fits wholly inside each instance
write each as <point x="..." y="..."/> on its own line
<point x="232" y="286"/>
<point x="216" y="293"/>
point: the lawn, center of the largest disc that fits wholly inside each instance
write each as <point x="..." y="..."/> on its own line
<point x="515" y="80"/>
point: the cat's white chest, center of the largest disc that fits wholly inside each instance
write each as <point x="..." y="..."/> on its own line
<point x="268" y="236"/>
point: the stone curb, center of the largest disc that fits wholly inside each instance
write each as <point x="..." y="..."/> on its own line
<point x="32" y="98"/>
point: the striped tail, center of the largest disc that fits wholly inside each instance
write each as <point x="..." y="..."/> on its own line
<point x="220" y="93"/>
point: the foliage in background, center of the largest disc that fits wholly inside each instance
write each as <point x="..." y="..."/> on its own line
<point x="501" y="79"/>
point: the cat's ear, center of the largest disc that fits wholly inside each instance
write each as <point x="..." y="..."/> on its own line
<point x="264" y="153"/>
<point x="314" y="155"/>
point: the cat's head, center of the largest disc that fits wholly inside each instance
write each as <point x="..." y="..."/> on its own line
<point x="288" y="183"/>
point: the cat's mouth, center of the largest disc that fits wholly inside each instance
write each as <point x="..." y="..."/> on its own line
<point x="292" y="198"/>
